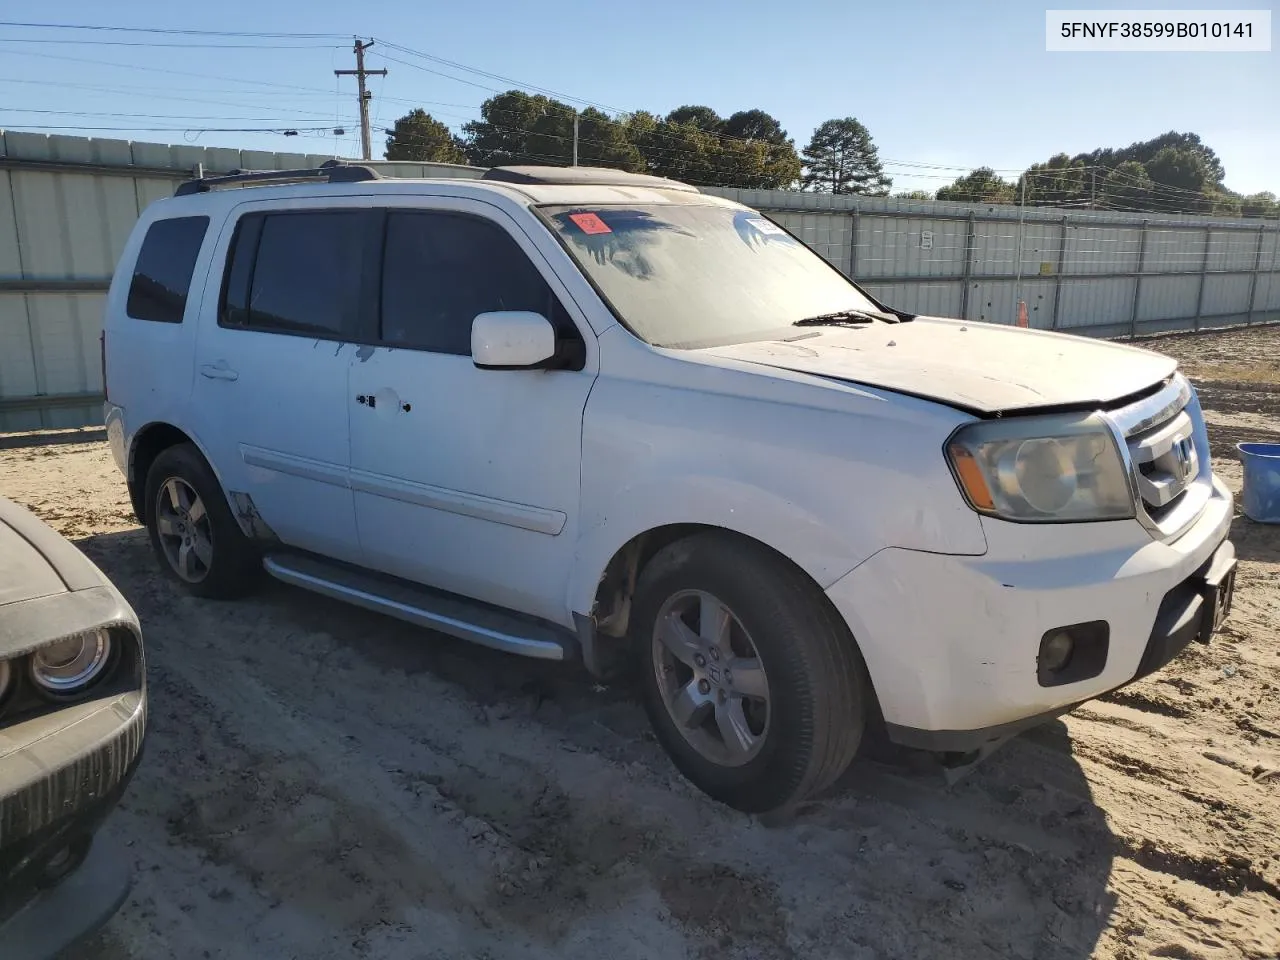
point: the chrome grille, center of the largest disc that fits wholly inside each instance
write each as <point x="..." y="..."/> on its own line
<point x="1170" y="476"/>
<point x="1166" y="460"/>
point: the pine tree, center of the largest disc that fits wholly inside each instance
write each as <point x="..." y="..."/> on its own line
<point x="841" y="158"/>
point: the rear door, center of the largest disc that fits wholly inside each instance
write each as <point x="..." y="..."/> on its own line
<point x="270" y="385"/>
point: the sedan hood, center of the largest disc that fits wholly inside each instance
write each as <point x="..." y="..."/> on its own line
<point x="980" y="367"/>
<point x="35" y="561"/>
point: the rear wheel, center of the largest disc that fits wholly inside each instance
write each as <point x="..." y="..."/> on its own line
<point x="751" y="681"/>
<point x="192" y="531"/>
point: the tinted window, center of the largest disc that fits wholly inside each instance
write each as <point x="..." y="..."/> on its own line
<point x="305" y="277"/>
<point x="440" y="270"/>
<point x="162" y="275"/>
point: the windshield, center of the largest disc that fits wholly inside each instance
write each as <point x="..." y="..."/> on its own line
<point x="692" y="275"/>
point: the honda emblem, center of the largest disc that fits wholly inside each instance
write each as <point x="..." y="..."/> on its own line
<point x="1183" y="457"/>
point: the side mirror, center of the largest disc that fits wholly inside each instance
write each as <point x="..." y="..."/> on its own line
<point x="512" y="340"/>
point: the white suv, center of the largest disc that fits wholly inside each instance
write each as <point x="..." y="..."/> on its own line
<point x="575" y="413"/>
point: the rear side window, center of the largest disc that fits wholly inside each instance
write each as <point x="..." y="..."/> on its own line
<point x="162" y="274"/>
<point x="297" y="272"/>
<point x="441" y="269"/>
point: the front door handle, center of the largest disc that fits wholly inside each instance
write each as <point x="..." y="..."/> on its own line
<point x="218" y="371"/>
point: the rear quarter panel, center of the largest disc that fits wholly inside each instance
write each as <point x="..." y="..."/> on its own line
<point x="150" y="365"/>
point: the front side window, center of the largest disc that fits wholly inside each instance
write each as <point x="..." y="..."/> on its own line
<point x="693" y="275"/>
<point x="439" y="270"/>
<point x="162" y="274"/>
<point x="297" y="272"/>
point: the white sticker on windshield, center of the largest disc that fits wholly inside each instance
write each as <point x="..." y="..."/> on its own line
<point x="766" y="226"/>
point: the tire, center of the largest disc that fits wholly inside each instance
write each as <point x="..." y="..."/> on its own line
<point x="815" y="687"/>
<point x="219" y="561"/>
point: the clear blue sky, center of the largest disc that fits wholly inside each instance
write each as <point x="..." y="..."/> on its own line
<point x="954" y="84"/>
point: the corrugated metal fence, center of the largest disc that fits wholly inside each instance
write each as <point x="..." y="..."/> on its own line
<point x="67" y="205"/>
<point x="1102" y="274"/>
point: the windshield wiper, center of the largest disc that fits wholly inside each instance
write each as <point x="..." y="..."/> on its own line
<point x="850" y="317"/>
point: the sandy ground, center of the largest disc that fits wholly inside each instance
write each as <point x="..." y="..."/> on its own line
<point x="320" y="783"/>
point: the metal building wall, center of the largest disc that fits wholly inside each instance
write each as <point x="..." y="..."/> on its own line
<point x="67" y="205"/>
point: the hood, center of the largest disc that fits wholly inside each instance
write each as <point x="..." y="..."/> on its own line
<point x="980" y="367"/>
<point x="35" y="561"/>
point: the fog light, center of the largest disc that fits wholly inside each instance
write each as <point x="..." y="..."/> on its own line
<point x="71" y="664"/>
<point x="1072" y="653"/>
<point x="1056" y="650"/>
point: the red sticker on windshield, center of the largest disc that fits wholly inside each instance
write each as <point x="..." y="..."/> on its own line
<point x="590" y="223"/>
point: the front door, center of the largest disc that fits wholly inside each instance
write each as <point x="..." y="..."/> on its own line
<point x="466" y="479"/>
<point x="271" y="393"/>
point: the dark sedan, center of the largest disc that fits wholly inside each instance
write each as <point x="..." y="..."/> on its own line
<point x="73" y="709"/>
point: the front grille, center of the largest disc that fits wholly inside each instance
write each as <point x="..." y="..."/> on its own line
<point x="1168" y="469"/>
<point x="1166" y="461"/>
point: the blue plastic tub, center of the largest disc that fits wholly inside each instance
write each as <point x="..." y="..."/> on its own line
<point x="1261" y="498"/>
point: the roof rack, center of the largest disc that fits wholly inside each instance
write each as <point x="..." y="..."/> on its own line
<point x="331" y="171"/>
<point x="583" y="176"/>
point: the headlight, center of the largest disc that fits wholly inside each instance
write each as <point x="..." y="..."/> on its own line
<point x="1042" y="469"/>
<point x="71" y="664"/>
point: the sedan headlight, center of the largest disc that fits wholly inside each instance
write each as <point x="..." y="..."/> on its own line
<point x="71" y="664"/>
<point x="1042" y="469"/>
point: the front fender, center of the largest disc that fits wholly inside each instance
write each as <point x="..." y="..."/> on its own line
<point x="714" y="501"/>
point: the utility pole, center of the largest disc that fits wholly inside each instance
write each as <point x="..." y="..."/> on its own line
<point x="1093" y="188"/>
<point x="360" y="73"/>
<point x="575" y="136"/>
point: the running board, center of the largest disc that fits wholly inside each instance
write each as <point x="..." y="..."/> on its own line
<point x="424" y="607"/>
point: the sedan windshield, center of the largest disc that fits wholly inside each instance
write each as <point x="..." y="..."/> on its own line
<point x="694" y="275"/>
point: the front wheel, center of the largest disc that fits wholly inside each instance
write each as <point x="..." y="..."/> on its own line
<point x="750" y="679"/>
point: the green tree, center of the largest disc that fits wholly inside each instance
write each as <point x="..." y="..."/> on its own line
<point x="1224" y="203"/>
<point x="1178" y="168"/>
<point x="419" y="136"/>
<point x="1127" y="187"/>
<point x="780" y="166"/>
<point x="755" y="125"/>
<point x="521" y="128"/>
<point x="1260" y="205"/>
<point x="983" y="185"/>
<point x="1060" y="181"/>
<point x="681" y="151"/>
<point x="842" y="158"/>
<point x="702" y="117"/>
<point x="603" y="142"/>
<point x="914" y="195"/>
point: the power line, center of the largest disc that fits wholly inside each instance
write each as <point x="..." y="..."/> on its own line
<point x="172" y="31"/>
<point x="185" y="46"/>
<point x="164" y="70"/>
<point x="496" y="76"/>
<point x="135" y="116"/>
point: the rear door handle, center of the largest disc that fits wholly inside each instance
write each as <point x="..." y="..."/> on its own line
<point x="218" y="371"/>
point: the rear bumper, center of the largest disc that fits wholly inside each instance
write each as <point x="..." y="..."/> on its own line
<point x="952" y="643"/>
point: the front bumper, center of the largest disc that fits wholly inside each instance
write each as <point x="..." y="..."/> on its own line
<point x="951" y="642"/>
<point x="55" y="791"/>
<point x="63" y="768"/>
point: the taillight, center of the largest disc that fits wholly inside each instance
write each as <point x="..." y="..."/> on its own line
<point x="102" y="343"/>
